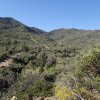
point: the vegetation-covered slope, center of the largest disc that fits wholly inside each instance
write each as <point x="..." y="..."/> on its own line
<point x="84" y="39"/>
<point x="53" y="65"/>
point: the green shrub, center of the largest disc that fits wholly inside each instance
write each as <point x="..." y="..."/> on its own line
<point x="3" y="56"/>
<point x="88" y="71"/>
<point x="90" y="63"/>
<point x="41" y="88"/>
<point x="50" y="62"/>
<point x="41" y="59"/>
<point x="16" y="67"/>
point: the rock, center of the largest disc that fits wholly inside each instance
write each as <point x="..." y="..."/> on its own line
<point x="14" y="98"/>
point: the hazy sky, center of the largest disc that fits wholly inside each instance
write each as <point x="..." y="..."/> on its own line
<point x="53" y="14"/>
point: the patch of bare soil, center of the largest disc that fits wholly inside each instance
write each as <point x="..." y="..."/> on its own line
<point x="8" y="60"/>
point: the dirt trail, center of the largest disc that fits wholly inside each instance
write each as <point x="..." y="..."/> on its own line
<point x="8" y="61"/>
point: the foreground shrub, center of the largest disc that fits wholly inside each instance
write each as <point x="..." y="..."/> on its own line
<point x="88" y="73"/>
<point x="41" y="88"/>
<point x="90" y="63"/>
<point x="66" y="93"/>
<point x="62" y="93"/>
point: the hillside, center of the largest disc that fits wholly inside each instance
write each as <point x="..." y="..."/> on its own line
<point x="14" y="33"/>
<point x="75" y="37"/>
<point x="59" y="65"/>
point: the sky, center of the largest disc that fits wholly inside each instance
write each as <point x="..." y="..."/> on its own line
<point x="53" y="14"/>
